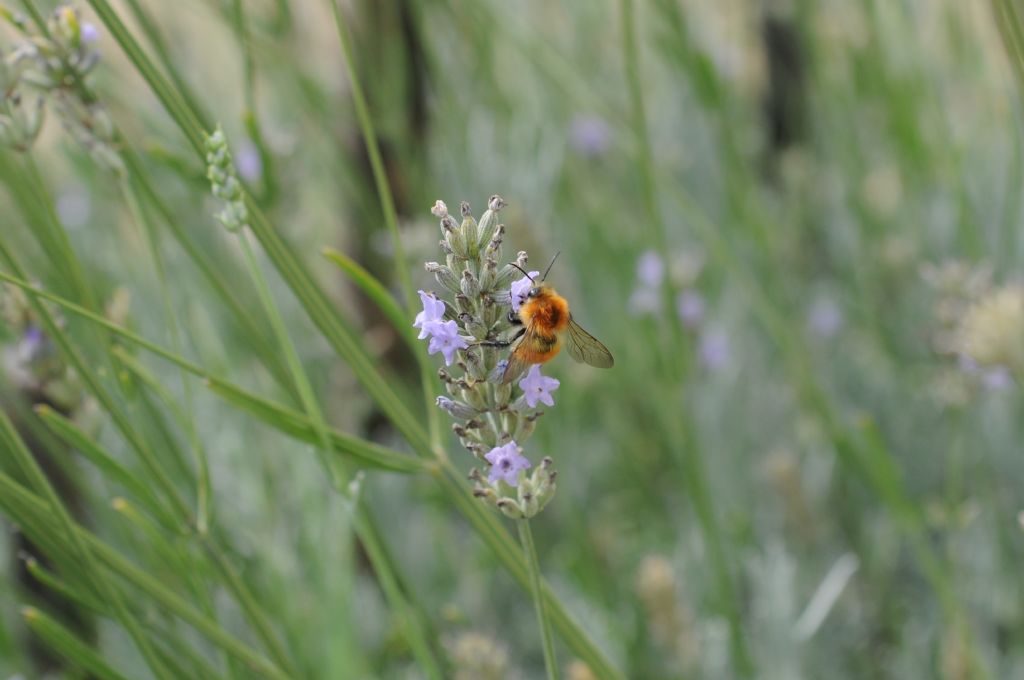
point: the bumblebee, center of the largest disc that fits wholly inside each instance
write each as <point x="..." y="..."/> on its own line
<point x="546" y="324"/>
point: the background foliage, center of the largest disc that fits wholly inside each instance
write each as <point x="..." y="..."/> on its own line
<point x="791" y="476"/>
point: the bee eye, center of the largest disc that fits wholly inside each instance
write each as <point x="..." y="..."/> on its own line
<point x="534" y="292"/>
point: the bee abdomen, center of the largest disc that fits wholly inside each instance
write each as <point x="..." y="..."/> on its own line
<point x="540" y="349"/>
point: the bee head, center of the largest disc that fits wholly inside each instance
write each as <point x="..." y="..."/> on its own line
<point x="539" y="290"/>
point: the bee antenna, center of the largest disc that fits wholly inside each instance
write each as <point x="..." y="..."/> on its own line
<point x="522" y="270"/>
<point x="550" y="264"/>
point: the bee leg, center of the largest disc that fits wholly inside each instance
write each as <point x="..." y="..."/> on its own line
<point x="514" y="319"/>
<point x="502" y="343"/>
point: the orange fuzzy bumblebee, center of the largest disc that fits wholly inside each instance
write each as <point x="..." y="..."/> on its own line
<point x="547" y="325"/>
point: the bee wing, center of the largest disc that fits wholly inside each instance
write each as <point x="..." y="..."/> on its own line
<point x="517" y="364"/>
<point x="587" y="349"/>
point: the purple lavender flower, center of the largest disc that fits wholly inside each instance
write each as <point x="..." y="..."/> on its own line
<point x="650" y="269"/>
<point x="33" y="337"/>
<point x="690" y="307"/>
<point x="994" y="379"/>
<point x="537" y="387"/>
<point x="520" y="288"/>
<point x="589" y="135"/>
<point x="89" y="33"/>
<point x="248" y="161"/>
<point x="714" y="350"/>
<point x="432" y="314"/>
<point x="997" y="379"/>
<point x="506" y="462"/>
<point x="445" y="339"/>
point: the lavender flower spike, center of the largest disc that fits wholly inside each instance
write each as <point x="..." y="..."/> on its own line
<point x="506" y="463"/>
<point x="538" y="388"/>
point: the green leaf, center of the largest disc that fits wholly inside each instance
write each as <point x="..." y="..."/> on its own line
<point x="31" y="513"/>
<point x="67" y="644"/>
<point x="12" y="443"/>
<point x="380" y="296"/>
<point x="113" y="470"/>
<point x="299" y="426"/>
<point x="274" y="414"/>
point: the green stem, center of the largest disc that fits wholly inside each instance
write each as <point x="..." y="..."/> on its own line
<point x="526" y="538"/>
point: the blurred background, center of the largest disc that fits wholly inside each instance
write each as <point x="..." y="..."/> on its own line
<point x="795" y="224"/>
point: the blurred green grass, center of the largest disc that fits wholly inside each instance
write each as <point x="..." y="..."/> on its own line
<point x="798" y="446"/>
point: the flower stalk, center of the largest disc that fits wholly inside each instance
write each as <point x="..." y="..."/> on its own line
<point x="526" y="538"/>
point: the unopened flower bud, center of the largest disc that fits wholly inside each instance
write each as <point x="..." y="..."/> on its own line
<point x="474" y="326"/>
<point x="445" y="276"/>
<point x="496" y="203"/>
<point x="439" y="210"/>
<point x="469" y="235"/>
<point x="457" y="242"/>
<point x="486" y="493"/>
<point x="456" y="409"/>
<point x="465" y="209"/>
<point x="510" y="508"/>
<point x="473" y="397"/>
<point x="470" y="284"/>
<point x="488" y="275"/>
<point x="463" y="303"/>
<point x="503" y="281"/>
<point x="489" y="221"/>
<point x="524" y="428"/>
<point x="493" y="248"/>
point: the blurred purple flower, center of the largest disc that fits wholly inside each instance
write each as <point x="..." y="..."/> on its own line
<point x="824" y="318"/>
<point x="32" y="341"/>
<point x="994" y="379"/>
<point x="248" y="161"/>
<point x="433" y="312"/>
<point x="537" y="387"/>
<point x="506" y="462"/>
<point x="589" y="135"/>
<point x="690" y="307"/>
<point x="89" y="33"/>
<point x="997" y="379"/>
<point x="650" y="269"/>
<point x="520" y="288"/>
<point x="715" y="350"/>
